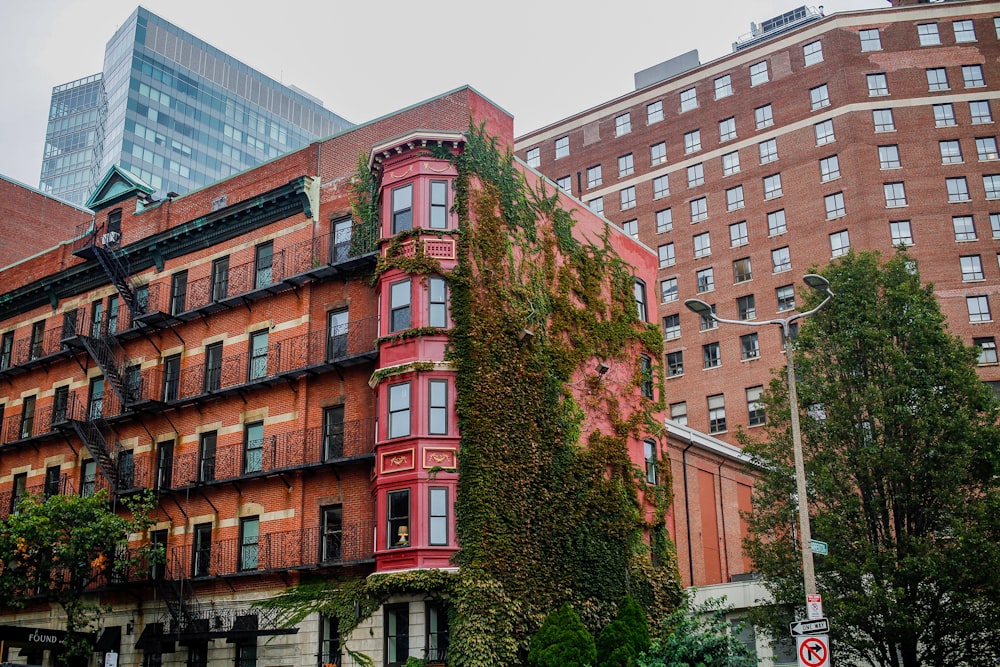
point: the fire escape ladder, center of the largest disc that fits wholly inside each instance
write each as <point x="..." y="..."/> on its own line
<point x="110" y="356"/>
<point x="178" y="594"/>
<point x="119" y="276"/>
<point x="97" y="444"/>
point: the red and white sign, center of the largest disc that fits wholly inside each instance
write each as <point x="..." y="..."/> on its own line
<point x="813" y="651"/>
<point x="814" y="606"/>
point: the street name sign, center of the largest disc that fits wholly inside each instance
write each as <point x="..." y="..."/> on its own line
<point x="821" y="548"/>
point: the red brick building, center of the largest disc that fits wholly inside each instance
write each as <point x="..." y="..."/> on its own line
<point x="33" y="221"/>
<point x="864" y="130"/>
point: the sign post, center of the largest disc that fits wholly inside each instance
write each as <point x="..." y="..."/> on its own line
<point x="813" y="651"/>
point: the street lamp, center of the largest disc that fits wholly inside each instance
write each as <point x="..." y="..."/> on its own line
<point x="820" y="284"/>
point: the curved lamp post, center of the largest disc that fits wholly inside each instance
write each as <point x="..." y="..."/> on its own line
<point x="820" y="284"/>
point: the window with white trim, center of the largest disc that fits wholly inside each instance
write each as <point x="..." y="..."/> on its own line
<point x="781" y="260"/>
<point x="658" y="153"/>
<point x="627" y="197"/>
<point x="738" y="234"/>
<point x="734" y="198"/>
<point x="883" y="121"/>
<point x="654" y="112"/>
<point x="699" y="209"/>
<point x="840" y="243"/>
<point x="958" y="188"/>
<point x="900" y="233"/>
<point x="951" y="151"/>
<point x="928" y="34"/>
<point x="727" y="129"/>
<point x="731" y="163"/>
<point x="692" y="141"/>
<point x="702" y="245"/>
<point x="819" y="97"/>
<point x="937" y="78"/>
<point x="829" y="168"/>
<point x="888" y="157"/>
<point x="972" y="268"/>
<point x="763" y="116"/>
<point x="716" y="413"/>
<point x="661" y="186"/>
<point x="626" y="165"/>
<point x="666" y="255"/>
<point x="723" y="86"/>
<point x="623" y="124"/>
<point x="979" y="308"/>
<point x="776" y="223"/>
<point x="768" y="151"/>
<point x="895" y="194"/>
<point x="664" y="221"/>
<point x="834" y="205"/>
<point x="758" y="73"/>
<point x="813" y="53"/>
<point x="944" y="115"/>
<point x="705" y="280"/>
<point x="594" y="176"/>
<point x="824" y="132"/>
<point x="689" y="99"/>
<point x="965" y="228"/>
<point x="870" y="40"/>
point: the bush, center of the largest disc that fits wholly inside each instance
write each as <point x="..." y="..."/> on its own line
<point x="698" y="635"/>
<point x="562" y="641"/>
<point x="621" y="642"/>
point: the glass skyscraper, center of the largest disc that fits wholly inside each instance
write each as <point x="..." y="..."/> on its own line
<point x="175" y="111"/>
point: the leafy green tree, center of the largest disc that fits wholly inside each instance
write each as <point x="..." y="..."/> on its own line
<point x="562" y="641"/>
<point x="622" y="640"/>
<point x="901" y="447"/>
<point x="58" y="546"/>
<point x="698" y="635"/>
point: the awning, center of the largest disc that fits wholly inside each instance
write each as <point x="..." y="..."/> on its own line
<point x="152" y="640"/>
<point x="110" y="640"/>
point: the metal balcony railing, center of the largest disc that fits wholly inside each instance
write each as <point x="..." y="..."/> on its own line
<point x="41" y="489"/>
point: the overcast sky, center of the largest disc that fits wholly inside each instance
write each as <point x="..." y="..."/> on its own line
<point x="541" y="60"/>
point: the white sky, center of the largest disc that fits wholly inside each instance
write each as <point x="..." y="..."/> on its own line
<point x="541" y="60"/>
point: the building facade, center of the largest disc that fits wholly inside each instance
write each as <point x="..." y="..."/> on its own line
<point x="174" y="111"/>
<point x="861" y="130"/>
<point x="33" y="221"/>
<point x="239" y="352"/>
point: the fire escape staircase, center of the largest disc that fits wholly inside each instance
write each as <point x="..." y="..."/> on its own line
<point x="90" y="433"/>
<point x="178" y="595"/>
<point x="119" y="276"/>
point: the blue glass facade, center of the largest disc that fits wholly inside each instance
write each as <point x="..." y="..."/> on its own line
<point x="181" y="114"/>
<point x="71" y="161"/>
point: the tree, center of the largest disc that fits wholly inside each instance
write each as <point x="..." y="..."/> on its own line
<point x="59" y="546"/>
<point x="562" y="641"/>
<point x="697" y="635"/>
<point x="901" y="443"/>
<point x="622" y="640"/>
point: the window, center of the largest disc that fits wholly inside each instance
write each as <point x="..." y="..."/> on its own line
<point x="763" y="116"/>
<point x="738" y="234"/>
<point x="60" y="404"/>
<point x="980" y="112"/>
<point x="37" y="344"/>
<point x="95" y="399"/>
<point x="995" y="225"/>
<point x="699" y="209"/>
<point x="749" y="347"/>
<point x="53" y="481"/>
<point x="675" y="364"/>
<point x="964" y="31"/>
<point x="437" y="302"/>
<point x="626" y="166"/>
<point x="438" y="632"/>
<point x="263" y="264"/>
<point x="333" y="432"/>
<point x="658" y="153"/>
<point x="654" y="112"/>
<point x="213" y="368"/>
<point x="692" y="141"/>
<point x="834" y="205"/>
<point x="888" y="157"/>
<point x="178" y="292"/>
<point x="534" y="157"/>
<point x="6" y="350"/>
<point x="397" y="518"/>
<point x="661" y="187"/>
<point x="979" y="308"/>
<point x="758" y="73"/>
<point x="439" y="205"/>
<point x="986" y="149"/>
<point x="639" y="292"/>
<point x="627" y="197"/>
<point x="813" y="53"/>
<point x="437" y="423"/>
<point x="164" y="465"/>
<point x="594" y="178"/>
<point x="171" y="377"/>
<point x="220" y="279"/>
<point x="249" y="539"/>
<point x="702" y="245"/>
<point x="741" y="270"/>
<point x="900" y="233"/>
<point x="246" y="653"/>
<point x="258" y="355"/>
<point x="88" y="478"/>
<point x="562" y="147"/>
<point x="723" y="86"/>
<point x="672" y="327"/>
<point x="399" y="410"/>
<point x="689" y="99"/>
<point x="666" y="255"/>
<point x="253" y="448"/>
<point x="623" y="124"/>
<point x="824" y="132"/>
<point x="895" y="194"/>
<point x="944" y="115"/>
<point x="883" y="121"/>
<point x="951" y="152"/>
<point x="987" y="350"/>
<point x="958" y="189"/>
<point x="18" y="491"/>
<point x="734" y="198"/>
<point x="337" y="329"/>
<point x="755" y="409"/>
<point x="781" y="260"/>
<point x="768" y="151"/>
<point x="201" y="553"/>
<point x="668" y="290"/>
<point x="97" y="319"/>
<point x="996" y="26"/>
<point x="649" y="453"/>
<point x="937" y="79"/>
<point x="819" y="97"/>
<point x="706" y="280"/>
<point x="746" y="307"/>
<point x="332" y="529"/>
<point x="786" y="297"/>
<point x="664" y="221"/>
<point x="696" y="175"/>
<point x="870" y="40"/>
<point x="438" y="523"/>
<point x="397" y="631"/>
<point x="991" y="184"/>
<point x="928" y="33"/>
<point x="731" y="163"/>
<point x="727" y="129"/>
<point x="564" y="184"/>
<point x="972" y="268"/>
<point x="646" y="376"/>
<point x="716" y="413"/>
<point x="840" y="244"/>
<point x="772" y="186"/>
<point x="206" y="456"/>
<point x="829" y="168"/>
<point x="965" y="229"/>
<point x="972" y="76"/>
<point x="631" y="227"/>
<point x="678" y="412"/>
<point x="711" y="355"/>
<point x="596" y="205"/>
<point x="399" y="306"/>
